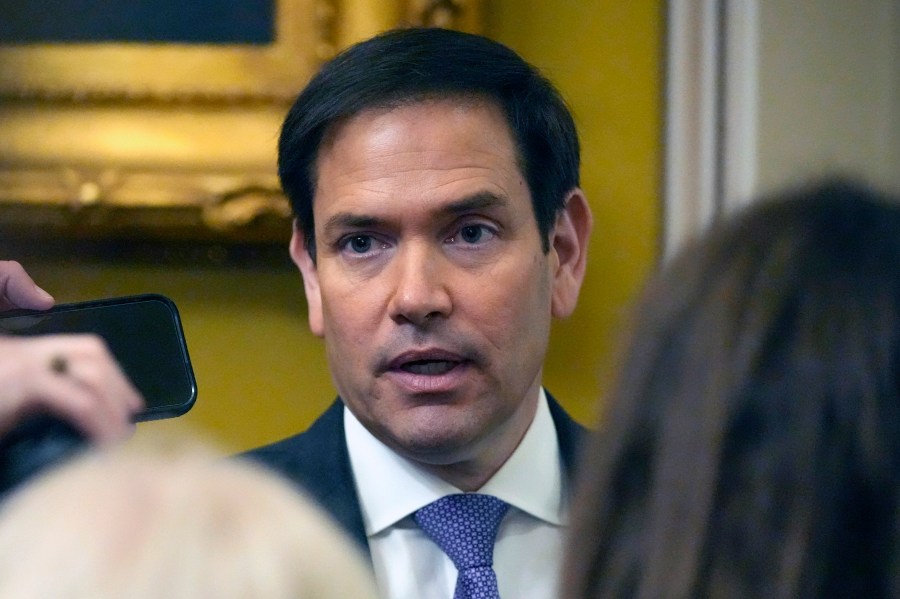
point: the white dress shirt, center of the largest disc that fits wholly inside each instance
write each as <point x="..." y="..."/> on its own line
<point x="408" y="565"/>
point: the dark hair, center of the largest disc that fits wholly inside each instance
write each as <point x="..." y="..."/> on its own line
<point x="752" y="448"/>
<point x="405" y="66"/>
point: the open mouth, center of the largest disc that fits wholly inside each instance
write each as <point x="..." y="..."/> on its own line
<point x="429" y="367"/>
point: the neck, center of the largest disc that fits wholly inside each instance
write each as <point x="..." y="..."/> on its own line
<point x="465" y="476"/>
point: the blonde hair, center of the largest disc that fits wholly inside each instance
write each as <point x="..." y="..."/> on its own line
<point x="141" y="525"/>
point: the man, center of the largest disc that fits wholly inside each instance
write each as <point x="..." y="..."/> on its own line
<point x="439" y="228"/>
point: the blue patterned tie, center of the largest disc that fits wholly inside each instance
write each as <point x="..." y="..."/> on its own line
<point x="465" y="527"/>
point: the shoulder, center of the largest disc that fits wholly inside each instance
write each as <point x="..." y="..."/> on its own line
<point x="565" y="424"/>
<point x="306" y="452"/>
<point x="317" y="461"/>
<point x="570" y="434"/>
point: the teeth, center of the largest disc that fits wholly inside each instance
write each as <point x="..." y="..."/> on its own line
<point x="429" y="367"/>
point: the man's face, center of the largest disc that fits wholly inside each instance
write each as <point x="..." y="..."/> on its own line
<point x="430" y="286"/>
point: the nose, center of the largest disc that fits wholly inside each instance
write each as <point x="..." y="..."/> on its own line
<point x="421" y="288"/>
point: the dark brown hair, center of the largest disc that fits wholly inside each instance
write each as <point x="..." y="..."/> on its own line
<point x="752" y="448"/>
<point x="405" y="66"/>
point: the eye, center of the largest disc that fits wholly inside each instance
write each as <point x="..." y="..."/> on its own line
<point x="360" y="244"/>
<point x="473" y="234"/>
<point x="362" y="247"/>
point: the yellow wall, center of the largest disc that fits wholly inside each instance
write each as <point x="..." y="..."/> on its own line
<point x="262" y="376"/>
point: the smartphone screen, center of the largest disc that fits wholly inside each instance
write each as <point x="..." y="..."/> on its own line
<point x="144" y="334"/>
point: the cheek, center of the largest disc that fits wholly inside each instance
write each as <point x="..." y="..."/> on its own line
<point x="346" y="324"/>
<point x="343" y="324"/>
<point x="346" y="349"/>
<point x="514" y="304"/>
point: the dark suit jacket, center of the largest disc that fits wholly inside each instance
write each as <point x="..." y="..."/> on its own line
<point x="318" y="461"/>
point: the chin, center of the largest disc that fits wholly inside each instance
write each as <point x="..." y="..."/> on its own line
<point x="437" y="447"/>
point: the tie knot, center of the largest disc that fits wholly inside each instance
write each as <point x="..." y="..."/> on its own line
<point x="464" y="526"/>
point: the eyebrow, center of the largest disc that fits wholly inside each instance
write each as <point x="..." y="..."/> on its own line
<point x="479" y="201"/>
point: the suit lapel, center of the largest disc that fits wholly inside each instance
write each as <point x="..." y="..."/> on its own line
<point x="570" y="436"/>
<point x="319" y="462"/>
<point x="332" y="484"/>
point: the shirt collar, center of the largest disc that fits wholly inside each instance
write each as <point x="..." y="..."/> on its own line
<point x="391" y="487"/>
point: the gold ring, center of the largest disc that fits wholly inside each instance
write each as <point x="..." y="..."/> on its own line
<point x="59" y="364"/>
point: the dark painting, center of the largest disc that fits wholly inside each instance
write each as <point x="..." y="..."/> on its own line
<point x="250" y="22"/>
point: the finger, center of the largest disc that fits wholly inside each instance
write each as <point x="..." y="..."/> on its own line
<point x="18" y="290"/>
<point x="95" y="368"/>
<point x="66" y="399"/>
<point x="113" y="394"/>
<point x="90" y="366"/>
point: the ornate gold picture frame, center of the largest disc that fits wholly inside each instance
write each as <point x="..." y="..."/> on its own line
<point x="171" y="140"/>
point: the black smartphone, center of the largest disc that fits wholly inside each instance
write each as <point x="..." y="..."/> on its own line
<point x="144" y="334"/>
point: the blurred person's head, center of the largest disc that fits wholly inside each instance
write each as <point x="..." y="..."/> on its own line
<point x="170" y="526"/>
<point x="751" y="448"/>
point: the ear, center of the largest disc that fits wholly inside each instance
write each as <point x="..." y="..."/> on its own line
<point x="569" y="241"/>
<point x="310" y="274"/>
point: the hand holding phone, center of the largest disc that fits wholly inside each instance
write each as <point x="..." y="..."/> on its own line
<point x="142" y="332"/>
<point x="80" y="371"/>
<point x="74" y="377"/>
